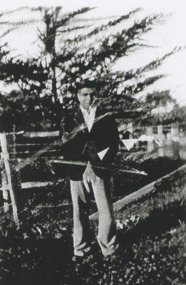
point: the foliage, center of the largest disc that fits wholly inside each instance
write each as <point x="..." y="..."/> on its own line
<point x="158" y="98"/>
<point x="28" y="112"/>
<point x="69" y="57"/>
<point x="177" y="114"/>
<point x="164" y="110"/>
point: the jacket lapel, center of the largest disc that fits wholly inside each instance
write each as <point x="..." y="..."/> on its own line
<point x="79" y="117"/>
<point x="97" y="116"/>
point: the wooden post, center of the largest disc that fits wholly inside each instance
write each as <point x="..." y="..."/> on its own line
<point x="6" y="205"/>
<point x="161" y="147"/>
<point x="131" y="129"/>
<point x="175" y="130"/>
<point x="14" y="142"/>
<point x="175" y="139"/>
<point x="160" y="135"/>
<point x="8" y="171"/>
<point x="150" y="144"/>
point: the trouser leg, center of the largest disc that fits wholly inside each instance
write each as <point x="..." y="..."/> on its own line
<point x="80" y="218"/>
<point x="106" y="229"/>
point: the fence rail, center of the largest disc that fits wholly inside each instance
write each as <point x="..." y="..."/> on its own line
<point x="19" y="150"/>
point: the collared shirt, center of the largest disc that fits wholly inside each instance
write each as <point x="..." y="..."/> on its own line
<point x="89" y="116"/>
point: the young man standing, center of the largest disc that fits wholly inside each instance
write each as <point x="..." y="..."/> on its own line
<point x="91" y="147"/>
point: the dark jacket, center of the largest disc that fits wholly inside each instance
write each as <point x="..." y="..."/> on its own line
<point x="83" y="146"/>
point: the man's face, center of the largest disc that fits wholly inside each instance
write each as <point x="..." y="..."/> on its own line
<point x="86" y="97"/>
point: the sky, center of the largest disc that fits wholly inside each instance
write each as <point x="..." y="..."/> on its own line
<point x="164" y="37"/>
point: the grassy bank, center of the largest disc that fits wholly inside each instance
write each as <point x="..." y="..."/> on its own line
<point x="151" y="234"/>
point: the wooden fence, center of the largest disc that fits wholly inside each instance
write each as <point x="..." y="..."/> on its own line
<point x="19" y="150"/>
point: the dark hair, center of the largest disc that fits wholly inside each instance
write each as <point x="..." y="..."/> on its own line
<point x="86" y="84"/>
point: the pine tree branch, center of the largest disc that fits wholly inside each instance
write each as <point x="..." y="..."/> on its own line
<point x="148" y="81"/>
<point x="7" y="12"/>
<point x="72" y="29"/>
<point x="116" y="46"/>
<point x="19" y="23"/>
<point x="130" y="90"/>
<point x="8" y="31"/>
<point x="157" y="62"/>
<point x="16" y="70"/>
<point x="66" y="18"/>
<point x="104" y="27"/>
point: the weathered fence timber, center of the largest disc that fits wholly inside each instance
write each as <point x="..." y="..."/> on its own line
<point x="8" y="175"/>
<point x="149" y="189"/>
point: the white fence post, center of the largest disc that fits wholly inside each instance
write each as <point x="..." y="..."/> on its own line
<point x="6" y="205"/>
<point x="161" y="139"/>
<point x="174" y="130"/>
<point x="8" y="171"/>
<point x="150" y="144"/>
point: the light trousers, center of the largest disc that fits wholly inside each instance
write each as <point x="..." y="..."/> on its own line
<point x="106" y="229"/>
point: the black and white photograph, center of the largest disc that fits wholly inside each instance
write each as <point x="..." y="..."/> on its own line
<point x="92" y="142"/>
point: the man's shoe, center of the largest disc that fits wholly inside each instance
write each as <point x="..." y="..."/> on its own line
<point x="110" y="258"/>
<point x="84" y="258"/>
<point x="77" y="259"/>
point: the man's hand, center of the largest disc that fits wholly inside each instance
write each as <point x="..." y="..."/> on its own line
<point x="88" y="176"/>
<point x="64" y="137"/>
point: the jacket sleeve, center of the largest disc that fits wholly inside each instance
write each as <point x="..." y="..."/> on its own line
<point x="114" y="140"/>
<point x="64" y="128"/>
<point x="111" y="141"/>
<point x="72" y="138"/>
